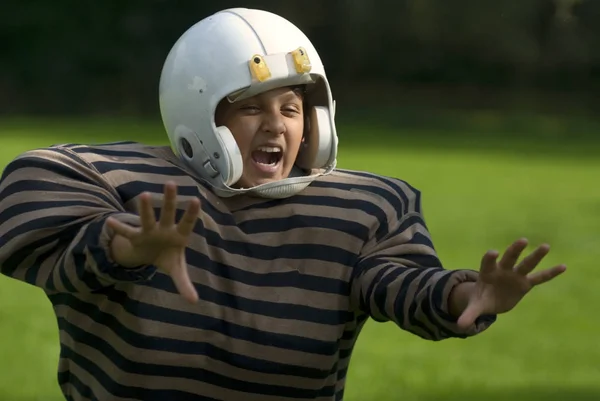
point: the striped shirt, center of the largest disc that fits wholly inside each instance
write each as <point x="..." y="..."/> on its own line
<point x="285" y="285"/>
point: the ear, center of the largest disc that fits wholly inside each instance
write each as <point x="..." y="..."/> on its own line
<point x="307" y="109"/>
<point x="306" y="128"/>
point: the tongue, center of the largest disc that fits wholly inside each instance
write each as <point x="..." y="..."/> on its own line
<point x="262" y="157"/>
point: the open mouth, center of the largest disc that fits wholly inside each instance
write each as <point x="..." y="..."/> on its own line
<point x="267" y="156"/>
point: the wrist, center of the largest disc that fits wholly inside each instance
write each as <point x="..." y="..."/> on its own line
<point x="459" y="298"/>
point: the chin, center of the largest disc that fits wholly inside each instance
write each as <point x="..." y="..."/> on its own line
<point x="260" y="181"/>
<point x="253" y="180"/>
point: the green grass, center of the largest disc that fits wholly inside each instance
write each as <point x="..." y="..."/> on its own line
<point x="475" y="198"/>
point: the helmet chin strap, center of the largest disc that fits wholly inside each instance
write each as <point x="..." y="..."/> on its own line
<point x="279" y="189"/>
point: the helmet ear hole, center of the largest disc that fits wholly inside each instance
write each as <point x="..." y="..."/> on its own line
<point x="186" y="147"/>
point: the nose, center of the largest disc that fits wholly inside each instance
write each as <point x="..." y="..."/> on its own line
<point x="273" y="123"/>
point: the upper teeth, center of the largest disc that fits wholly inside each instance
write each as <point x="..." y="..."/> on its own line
<point x="269" y="149"/>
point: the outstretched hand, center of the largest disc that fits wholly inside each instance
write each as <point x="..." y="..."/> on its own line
<point x="160" y="243"/>
<point x="502" y="284"/>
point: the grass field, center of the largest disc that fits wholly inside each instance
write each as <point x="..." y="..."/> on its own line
<point x="478" y="194"/>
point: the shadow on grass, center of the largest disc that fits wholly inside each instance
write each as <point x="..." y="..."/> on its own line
<point x="486" y="394"/>
<point x="524" y="394"/>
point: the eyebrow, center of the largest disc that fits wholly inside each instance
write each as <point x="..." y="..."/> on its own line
<point x="294" y="94"/>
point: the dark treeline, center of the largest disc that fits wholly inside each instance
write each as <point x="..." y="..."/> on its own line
<point x="105" y="56"/>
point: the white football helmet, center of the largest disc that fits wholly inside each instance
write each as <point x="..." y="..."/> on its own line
<point x="235" y="54"/>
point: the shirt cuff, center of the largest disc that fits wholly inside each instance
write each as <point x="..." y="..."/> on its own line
<point x="102" y="261"/>
<point x="440" y="305"/>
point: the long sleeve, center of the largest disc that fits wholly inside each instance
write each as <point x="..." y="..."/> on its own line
<point x="53" y="209"/>
<point x="400" y="278"/>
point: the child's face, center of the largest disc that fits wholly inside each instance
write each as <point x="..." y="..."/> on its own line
<point x="268" y="129"/>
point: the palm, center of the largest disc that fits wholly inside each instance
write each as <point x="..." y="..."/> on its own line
<point x="501" y="291"/>
<point x="162" y="243"/>
<point x="502" y="284"/>
<point x="162" y="246"/>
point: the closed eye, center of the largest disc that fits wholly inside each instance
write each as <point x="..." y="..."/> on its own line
<point x="291" y="109"/>
<point x="250" y="109"/>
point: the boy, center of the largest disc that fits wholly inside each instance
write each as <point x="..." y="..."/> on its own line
<point x="238" y="263"/>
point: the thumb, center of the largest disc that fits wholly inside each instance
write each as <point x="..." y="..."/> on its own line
<point x="470" y="315"/>
<point x="182" y="281"/>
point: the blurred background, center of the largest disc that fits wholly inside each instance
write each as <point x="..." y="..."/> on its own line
<point x="489" y="107"/>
